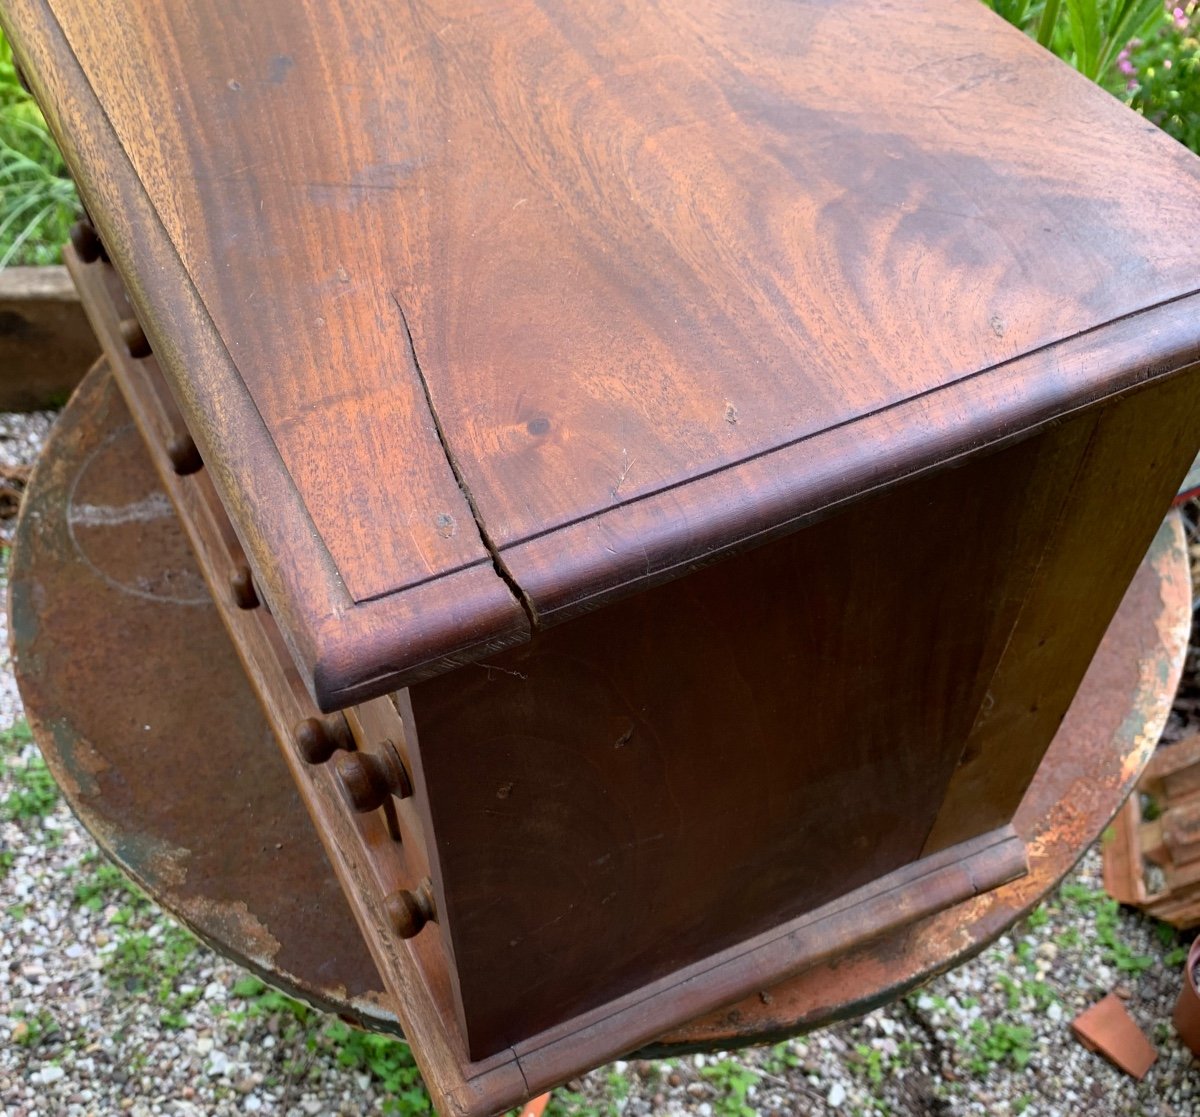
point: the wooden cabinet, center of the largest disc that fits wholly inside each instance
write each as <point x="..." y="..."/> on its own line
<point x="666" y="468"/>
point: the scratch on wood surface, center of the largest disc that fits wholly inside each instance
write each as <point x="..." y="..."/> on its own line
<point x="490" y="667"/>
<point x="626" y="467"/>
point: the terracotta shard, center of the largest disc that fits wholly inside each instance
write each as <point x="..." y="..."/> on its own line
<point x="1109" y="1030"/>
<point x="536" y="1107"/>
<point x="1186" y="1017"/>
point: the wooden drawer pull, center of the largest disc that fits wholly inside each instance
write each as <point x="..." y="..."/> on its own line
<point x="317" y="739"/>
<point x="368" y="779"/>
<point x="241" y="585"/>
<point x="86" y="242"/>
<point x="409" y="911"/>
<point x="135" y="338"/>
<point x="184" y="455"/>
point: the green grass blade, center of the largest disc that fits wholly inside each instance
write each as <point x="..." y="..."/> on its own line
<point x="1045" y="32"/>
<point x="1083" y="18"/>
<point x="30" y="228"/>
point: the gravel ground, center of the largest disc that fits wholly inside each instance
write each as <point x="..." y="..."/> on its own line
<point x="107" y="1006"/>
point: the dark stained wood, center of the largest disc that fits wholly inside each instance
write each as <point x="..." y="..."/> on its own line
<point x="747" y="742"/>
<point x="705" y="417"/>
<point x="640" y="258"/>
<point x="1134" y="462"/>
<point x="369" y="863"/>
<point x="343" y="650"/>
<point x="671" y="533"/>
<point x="375" y="871"/>
<point x="1089" y="764"/>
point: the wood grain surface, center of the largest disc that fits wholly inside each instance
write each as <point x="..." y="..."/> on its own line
<point x="496" y="284"/>
<point x="484" y="315"/>
<point x="683" y="768"/>
<point x="1134" y="460"/>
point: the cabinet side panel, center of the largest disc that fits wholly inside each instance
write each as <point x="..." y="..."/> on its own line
<point x="650" y="783"/>
<point x="1138" y="455"/>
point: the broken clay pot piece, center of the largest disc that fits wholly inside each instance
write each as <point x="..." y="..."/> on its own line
<point x="1187" y="1009"/>
<point x="1108" y="1029"/>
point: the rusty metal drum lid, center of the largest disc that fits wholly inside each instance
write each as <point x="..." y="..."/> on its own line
<point x="137" y="698"/>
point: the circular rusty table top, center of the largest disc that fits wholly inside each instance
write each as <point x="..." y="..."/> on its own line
<point x="138" y="700"/>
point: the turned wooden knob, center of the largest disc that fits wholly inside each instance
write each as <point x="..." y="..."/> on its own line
<point x="241" y="585"/>
<point x="369" y="778"/>
<point x="409" y="911"/>
<point x="317" y="739"/>
<point x="135" y="338"/>
<point x="185" y="457"/>
<point x="86" y="242"/>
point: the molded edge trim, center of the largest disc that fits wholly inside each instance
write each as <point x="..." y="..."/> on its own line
<point x="668" y="534"/>
<point x="345" y="652"/>
<point x="901" y="897"/>
<point x="349" y="652"/>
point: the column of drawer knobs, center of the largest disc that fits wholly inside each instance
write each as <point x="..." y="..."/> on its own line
<point x="367" y="781"/>
<point x="181" y="449"/>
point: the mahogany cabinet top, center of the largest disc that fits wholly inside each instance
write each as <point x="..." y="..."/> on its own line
<point x="483" y="311"/>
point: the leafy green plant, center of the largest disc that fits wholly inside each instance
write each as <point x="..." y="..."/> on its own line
<point x="34" y="791"/>
<point x="1037" y="918"/>
<point x="733" y="1081"/>
<point x="31" y="1031"/>
<point x="1019" y="992"/>
<point x="1162" y="75"/>
<point x="103" y="885"/>
<point x="781" y="1058"/>
<point x="153" y="966"/>
<point x="998" y="1043"/>
<point x="571" y="1103"/>
<point x="262" y="1000"/>
<point x="37" y="198"/>
<point x="16" y="736"/>
<point x="870" y="1063"/>
<point x="1089" y="34"/>
<point x="150" y="957"/>
<point x="618" y="1084"/>
<point x="389" y="1061"/>
<point x="1106" y="911"/>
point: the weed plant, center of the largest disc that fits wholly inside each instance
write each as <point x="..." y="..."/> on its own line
<point x="37" y="198"/>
